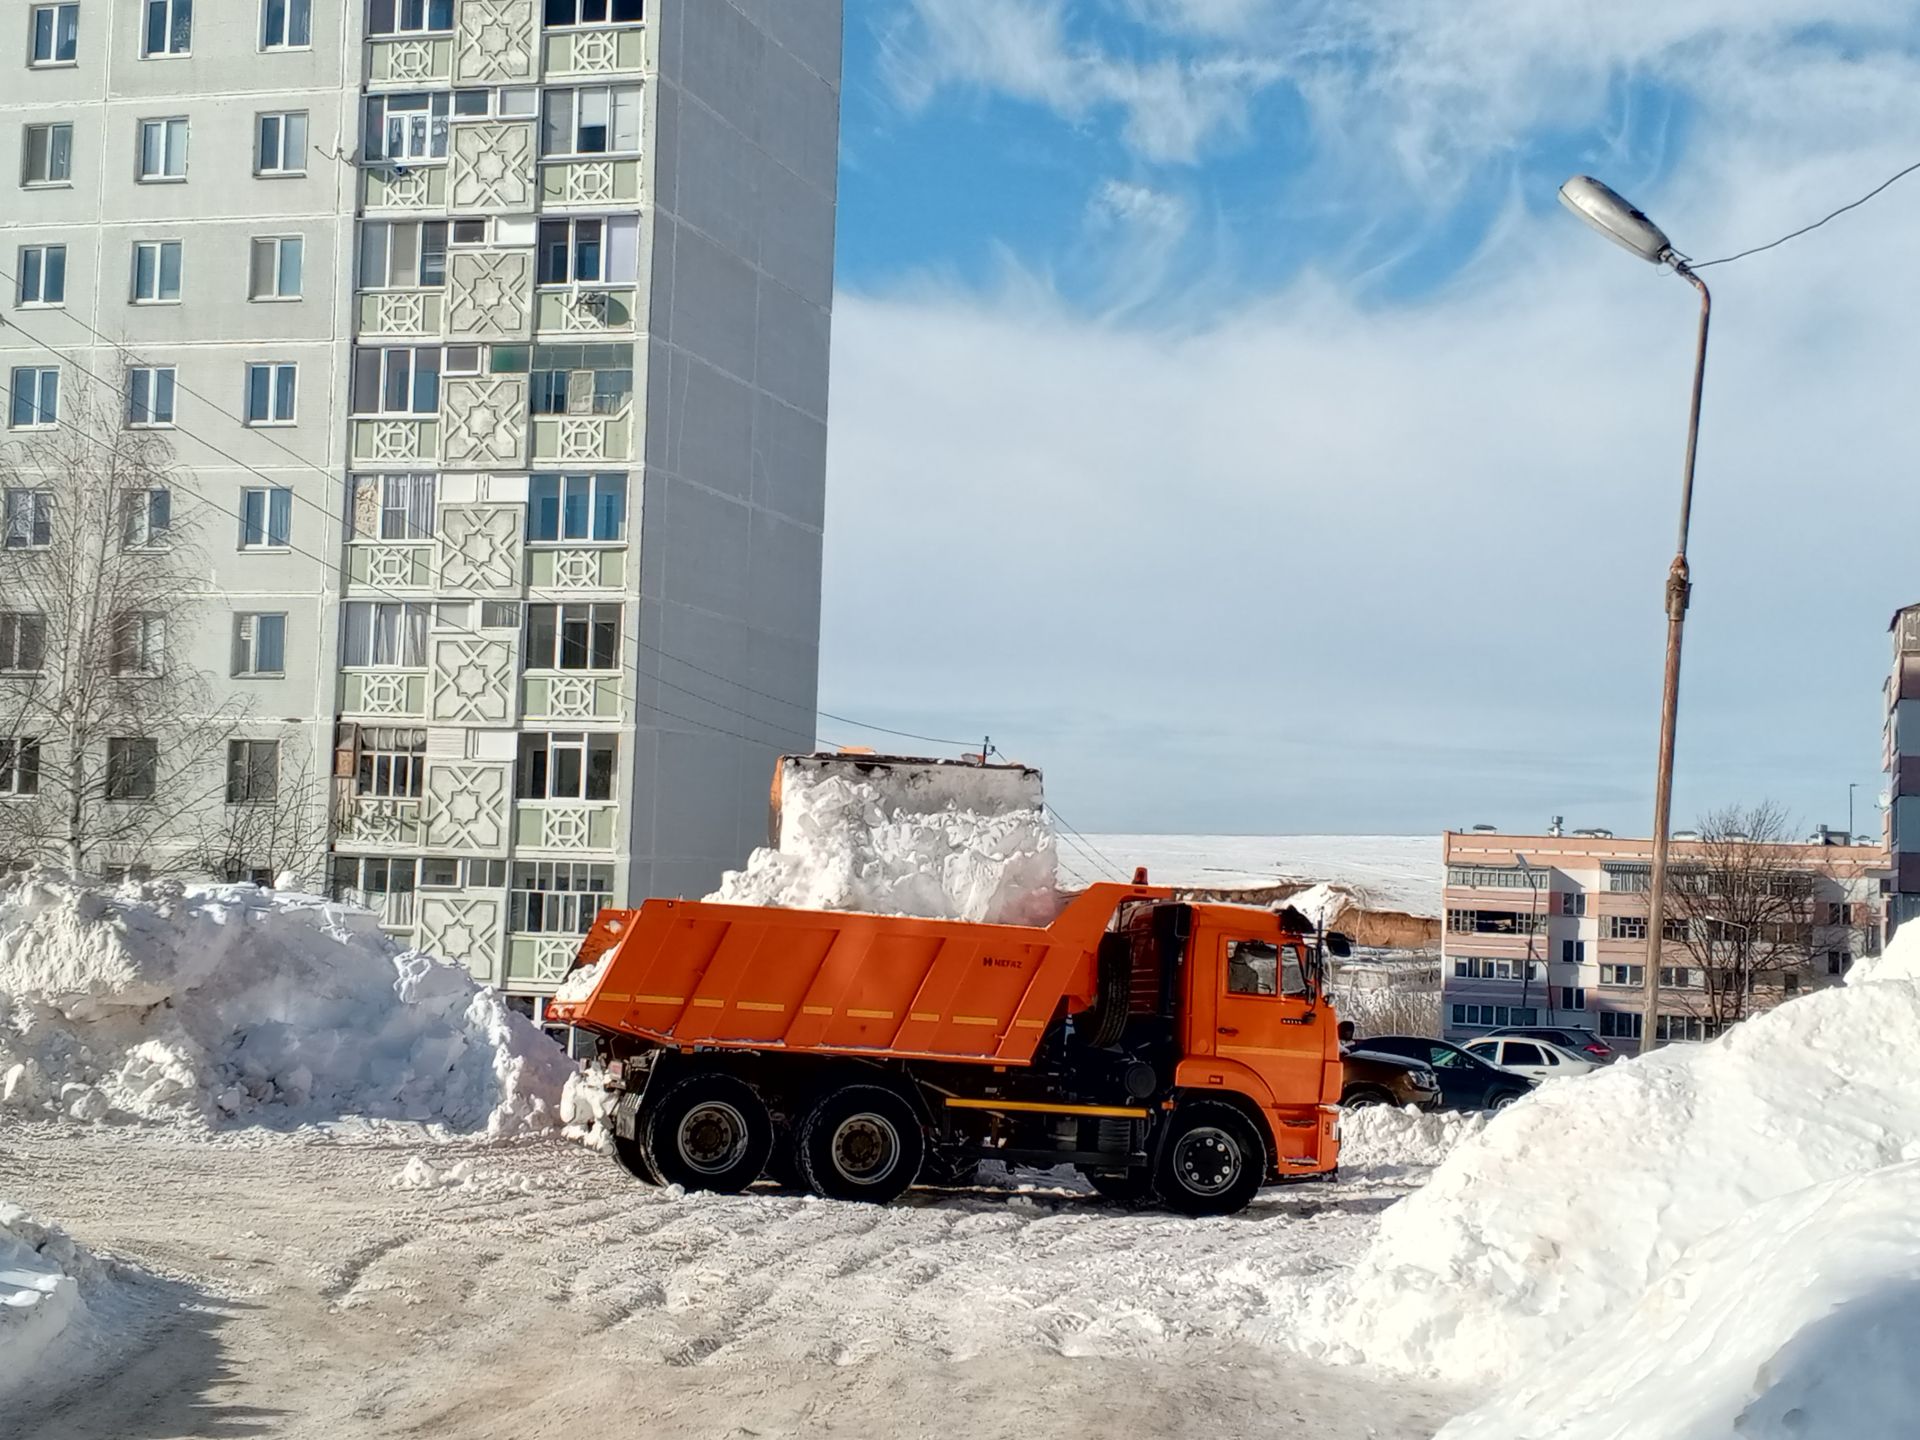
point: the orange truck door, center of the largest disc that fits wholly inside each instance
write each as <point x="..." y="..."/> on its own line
<point x="1262" y="1016"/>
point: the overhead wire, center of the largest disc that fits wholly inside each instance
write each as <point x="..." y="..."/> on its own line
<point x="1796" y="234"/>
<point x="331" y="477"/>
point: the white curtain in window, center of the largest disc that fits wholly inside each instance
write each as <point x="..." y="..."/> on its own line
<point x="623" y="249"/>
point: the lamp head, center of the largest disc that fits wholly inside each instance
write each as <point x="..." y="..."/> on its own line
<point x="1614" y="217"/>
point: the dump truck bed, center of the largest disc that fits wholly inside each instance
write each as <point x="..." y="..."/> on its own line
<point x="688" y="973"/>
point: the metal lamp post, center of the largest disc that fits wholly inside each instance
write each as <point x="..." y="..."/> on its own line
<point x="1628" y="228"/>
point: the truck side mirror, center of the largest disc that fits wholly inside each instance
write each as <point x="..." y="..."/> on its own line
<point x="1338" y="945"/>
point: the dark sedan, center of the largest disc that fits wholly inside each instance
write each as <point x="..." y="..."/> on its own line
<point x="1466" y="1081"/>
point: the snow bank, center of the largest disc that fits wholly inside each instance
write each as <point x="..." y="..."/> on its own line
<point x="43" y="1307"/>
<point x="1798" y="1321"/>
<point x="1570" y="1204"/>
<point x="1374" y="1136"/>
<point x="902" y="847"/>
<point x="167" y="1002"/>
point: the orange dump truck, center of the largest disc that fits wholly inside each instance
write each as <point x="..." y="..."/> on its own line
<point x="1184" y="1054"/>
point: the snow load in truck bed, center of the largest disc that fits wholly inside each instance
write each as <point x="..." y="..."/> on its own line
<point x="167" y="1002"/>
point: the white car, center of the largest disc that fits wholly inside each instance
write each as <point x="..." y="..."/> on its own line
<point x="1537" y="1059"/>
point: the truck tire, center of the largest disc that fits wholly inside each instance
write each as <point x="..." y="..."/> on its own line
<point x="862" y="1142"/>
<point x="633" y="1159"/>
<point x="709" y="1132"/>
<point x="1122" y="1187"/>
<point x="1212" y="1161"/>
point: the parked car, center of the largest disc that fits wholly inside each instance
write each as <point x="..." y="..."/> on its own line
<point x="1540" y="1059"/>
<point x="1466" y="1081"/>
<point x="1383" y="1079"/>
<point x="1577" y="1038"/>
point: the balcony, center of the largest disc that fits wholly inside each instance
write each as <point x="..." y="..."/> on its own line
<point x="569" y="698"/>
<point x="408" y="188"/>
<point x="384" y="694"/>
<point x="396" y="440"/>
<point x="601" y="568"/>
<point x="410" y="60"/>
<point x="564" y="826"/>
<point x="390" y="567"/>
<point x="366" y="821"/>
<point x="588" y="311"/>
<point x="539" y="961"/>
<point x="583" y="439"/>
<point x="604" y="50"/>
<point x="401" y="314"/>
<point x="597" y="182"/>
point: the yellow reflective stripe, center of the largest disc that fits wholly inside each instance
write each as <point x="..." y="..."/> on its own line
<point x="871" y="1014"/>
<point x="923" y="1015"/>
<point x="766" y="1005"/>
<point x="974" y="1020"/>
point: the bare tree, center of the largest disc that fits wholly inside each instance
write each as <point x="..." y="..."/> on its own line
<point x="1743" y="907"/>
<point x="106" y="738"/>
<point x="261" y="837"/>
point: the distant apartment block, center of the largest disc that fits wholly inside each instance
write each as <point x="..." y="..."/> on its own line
<point x="1902" y="764"/>
<point x="1552" y="929"/>
<point x="491" y="338"/>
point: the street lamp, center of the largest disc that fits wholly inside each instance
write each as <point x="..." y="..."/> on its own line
<point x="1630" y="229"/>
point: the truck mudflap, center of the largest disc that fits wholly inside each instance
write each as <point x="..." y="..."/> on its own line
<point x="626" y="1114"/>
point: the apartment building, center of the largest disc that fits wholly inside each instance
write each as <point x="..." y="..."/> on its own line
<point x="1552" y="929"/>
<point x="491" y="340"/>
<point x="1901" y="758"/>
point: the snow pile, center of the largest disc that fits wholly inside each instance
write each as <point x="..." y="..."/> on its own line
<point x="1796" y="1322"/>
<point x="161" y="1001"/>
<point x="888" y="848"/>
<point x="1376" y="1136"/>
<point x="44" y="1282"/>
<point x="1567" y="1207"/>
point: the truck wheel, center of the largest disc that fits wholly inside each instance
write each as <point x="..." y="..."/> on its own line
<point x="1123" y="1187"/>
<point x="1211" y="1163"/>
<point x="861" y="1143"/>
<point x="709" y="1132"/>
<point x="633" y="1159"/>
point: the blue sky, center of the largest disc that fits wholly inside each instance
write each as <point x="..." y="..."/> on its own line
<point x="1228" y="419"/>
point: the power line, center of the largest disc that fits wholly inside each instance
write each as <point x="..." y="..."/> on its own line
<point x="340" y="520"/>
<point x="1796" y="234"/>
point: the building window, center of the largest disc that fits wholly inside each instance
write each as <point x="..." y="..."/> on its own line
<point x="275" y="270"/>
<point x="169" y="28"/>
<point x="392" y="763"/>
<point x="1624" y="927"/>
<point x="1573" y="952"/>
<point x="36" y="402"/>
<point x="393" y="507"/>
<point x="403" y="254"/>
<point x="56" y="34"/>
<point x="386" y="634"/>
<point x="47" y="155"/>
<point x="163" y="149"/>
<point x="1681" y="1027"/>
<point x="1573" y="902"/>
<point x="589" y="252"/>
<point x="146" y="519"/>
<point x="1677" y="977"/>
<point x="139" y="644"/>
<point x="1473" y="967"/>
<point x="150" y="396"/>
<point x="156" y="272"/>
<point x="377" y="883"/>
<point x="1632" y="975"/>
<point x="286" y="24"/>
<point x="43" y="275"/>
<point x="594" y="12"/>
<point x="1495" y="877"/>
<point x="253" y="771"/>
<point x="577" y="507"/>
<point x="280" y="143"/>
<point x="573" y="637"/>
<point x="259" y="643"/>
<point x="270" y="394"/>
<point x="1839" y="961"/>
<point x="580" y="392"/>
<point x="405" y="128"/>
<point x="133" y="767"/>
<point x="452" y="872"/>
<point x="23" y="642"/>
<point x="567" y="765"/>
<point x="409" y="17"/>
<point x="1573" y="997"/>
<point x="1789" y="982"/>
<point x="266" y="518"/>
<point x="1491" y="1015"/>
<point x="591" y="120"/>
<point x="397" y="380"/>
<point x="1495" y="922"/>
<point x="499" y="615"/>
<point x="557" y="897"/>
<point x="19" y="766"/>
<point x="1620" y="1024"/>
<point x="28" y="514"/>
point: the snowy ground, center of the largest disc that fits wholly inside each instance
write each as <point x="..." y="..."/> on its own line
<point x="1391" y="872"/>
<point x="382" y="1284"/>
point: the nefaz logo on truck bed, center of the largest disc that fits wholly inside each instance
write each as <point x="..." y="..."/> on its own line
<point x="995" y="962"/>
